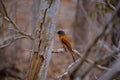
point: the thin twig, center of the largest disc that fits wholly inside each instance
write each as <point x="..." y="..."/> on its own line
<point x="6" y="17"/>
<point x="101" y="45"/>
<point x="99" y="49"/>
<point x="71" y="66"/>
<point x="60" y="50"/>
<point x="9" y="41"/>
<point x="112" y="72"/>
<point x="110" y="5"/>
<point x="97" y="62"/>
<point x="108" y="30"/>
<point x="96" y="78"/>
<point x="90" y="61"/>
<point x="93" y="43"/>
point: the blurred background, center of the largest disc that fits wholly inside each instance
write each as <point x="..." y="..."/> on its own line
<point x="82" y="21"/>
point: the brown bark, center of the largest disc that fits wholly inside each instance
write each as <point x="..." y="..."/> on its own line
<point x="43" y="40"/>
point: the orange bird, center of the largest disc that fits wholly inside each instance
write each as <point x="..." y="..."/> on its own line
<point x="65" y="42"/>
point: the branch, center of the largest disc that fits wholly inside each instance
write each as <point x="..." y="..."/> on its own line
<point x="112" y="71"/>
<point x="9" y="41"/>
<point x="72" y="66"/>
<point x="97" y="62"/>
<point x="6" y="17"/>
<point x="60" y="50"/>
<point x="110" y="5"/>
<point x="94" y="42"/>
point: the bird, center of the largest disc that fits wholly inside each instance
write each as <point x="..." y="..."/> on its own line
<point x="65" y="42"/>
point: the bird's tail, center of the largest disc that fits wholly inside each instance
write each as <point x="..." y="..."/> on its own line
<point x="71" y="52"/>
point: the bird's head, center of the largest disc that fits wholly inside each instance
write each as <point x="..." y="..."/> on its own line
<point x="60" y="32"/>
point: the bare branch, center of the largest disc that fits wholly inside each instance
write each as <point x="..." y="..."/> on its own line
<point x="72" y="66"/>
<point x="104" y="31"/>
<point x="6" y="17"/>
<point x="71" y="70"/>
<point x="10" y="40"/>
<point x="112" y="71"/>
<point x="60" y="50"/>
<point x="63" y="76"/>
<point x="110" y="5"/>
<point x="97" y="62"/>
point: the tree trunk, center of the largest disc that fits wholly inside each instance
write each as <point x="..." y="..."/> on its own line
<point x="43" y="40"/>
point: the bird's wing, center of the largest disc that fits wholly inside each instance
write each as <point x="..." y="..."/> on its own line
<point x="67" y="43"/>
